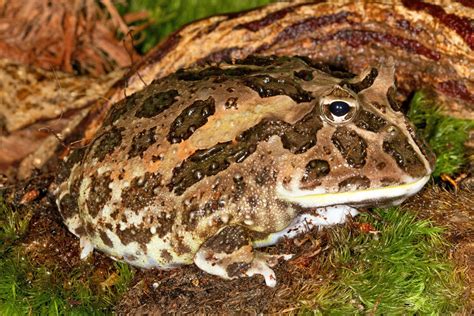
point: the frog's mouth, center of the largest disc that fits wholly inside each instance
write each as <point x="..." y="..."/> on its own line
<point x="387" y="195"/>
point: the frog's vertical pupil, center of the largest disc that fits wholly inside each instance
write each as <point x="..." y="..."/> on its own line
<point x="339" y="108"/>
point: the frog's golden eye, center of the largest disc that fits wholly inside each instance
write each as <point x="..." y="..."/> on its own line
<point x="338" y="111"/>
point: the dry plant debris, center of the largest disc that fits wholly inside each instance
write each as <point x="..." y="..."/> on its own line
<point x="69" y="35"/>
<point x="56" y="58"/>
<point x="35" y="103"/>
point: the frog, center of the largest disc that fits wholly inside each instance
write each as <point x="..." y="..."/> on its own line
<point x="210" y="164"/>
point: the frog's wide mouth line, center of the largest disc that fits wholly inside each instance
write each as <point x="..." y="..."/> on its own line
<point x="320" y="199"/>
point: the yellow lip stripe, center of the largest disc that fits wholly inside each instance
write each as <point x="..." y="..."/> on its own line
<point x="306" y="198"/>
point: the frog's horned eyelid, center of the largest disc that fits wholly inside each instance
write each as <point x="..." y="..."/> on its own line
<point x="320" y="198"/>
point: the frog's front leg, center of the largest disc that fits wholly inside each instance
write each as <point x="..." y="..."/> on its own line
<point x="230" y="254"/>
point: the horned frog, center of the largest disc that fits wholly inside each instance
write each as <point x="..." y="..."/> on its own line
<point x="208" y="164"/>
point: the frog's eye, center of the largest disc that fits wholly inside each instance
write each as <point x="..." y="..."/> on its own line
<point x="338" y="111"/>
<point x="339" y="108"/>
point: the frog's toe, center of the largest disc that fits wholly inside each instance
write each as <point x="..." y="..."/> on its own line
<point x="86" y="247"/>
<point x="230" y="254"/>
<point x="262" y="264"/>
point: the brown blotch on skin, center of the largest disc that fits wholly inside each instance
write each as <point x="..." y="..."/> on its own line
<point x="236" y="269"/>
<point x="115" y="213"/>
<point x="398" y="147"/>
<point x="352" y="146"/>
<point x="107" y="142"/>
<point x="190" y="119"/>
<point x="141" y="142"/>
<point x="365" y="83"/>
<point x="380" y="107"/>
<point x="228" y="240"/>
<point x="165" y="224"/>
<point x="337" y="71"/>
<point x="370" y="121"/>
<point x="305" y="75"/>
<point x="139" y="234"/>
<point x="252" y="201"/>
<point x="156" y="158"/>
<point x="258" y="60"/>
<point x="142" y="191"/>
<point x="90" y="229"/>
<point x="105" y="239"/>
<point x="315" y="169"/>
<point x="421" y="143"/>
<point x="354" y="183"/>
<point x="80" y="231"/>
<point x="388" y="181"/>
<point x="392" y="100"/>
<point x="157" y="103"/>
<point x="120" y="108"/>
<point x="239" y="188"/>
<point x="267" y="86"/>
<point x="180" y="247"/>
<point x="166" y="256"/>
<point x="99" y="193"/>
<point x="211" y="207"/>
<point x="302" y="135"/>
<point x="231" y="103"/>
<point x="65" y="167"/>
<point x="190" y="217"/>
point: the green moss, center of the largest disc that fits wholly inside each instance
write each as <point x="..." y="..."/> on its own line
<point x="402" y="269"/>
<point x="446" y="135"/>
<point x="168" y="16"/>
<point x="26" y="288"/>
<point x="13" y="224"/>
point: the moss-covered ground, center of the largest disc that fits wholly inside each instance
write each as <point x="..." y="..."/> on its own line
<point x="386" y="261"/>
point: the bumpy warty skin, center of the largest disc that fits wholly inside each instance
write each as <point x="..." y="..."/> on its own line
<point x="253" y="145"/>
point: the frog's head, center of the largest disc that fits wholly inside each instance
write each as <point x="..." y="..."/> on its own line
<point x="367" y="152"/>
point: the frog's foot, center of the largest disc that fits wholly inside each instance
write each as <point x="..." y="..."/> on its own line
<point x="262" y="264"/>
<point x="230" y="254"/>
